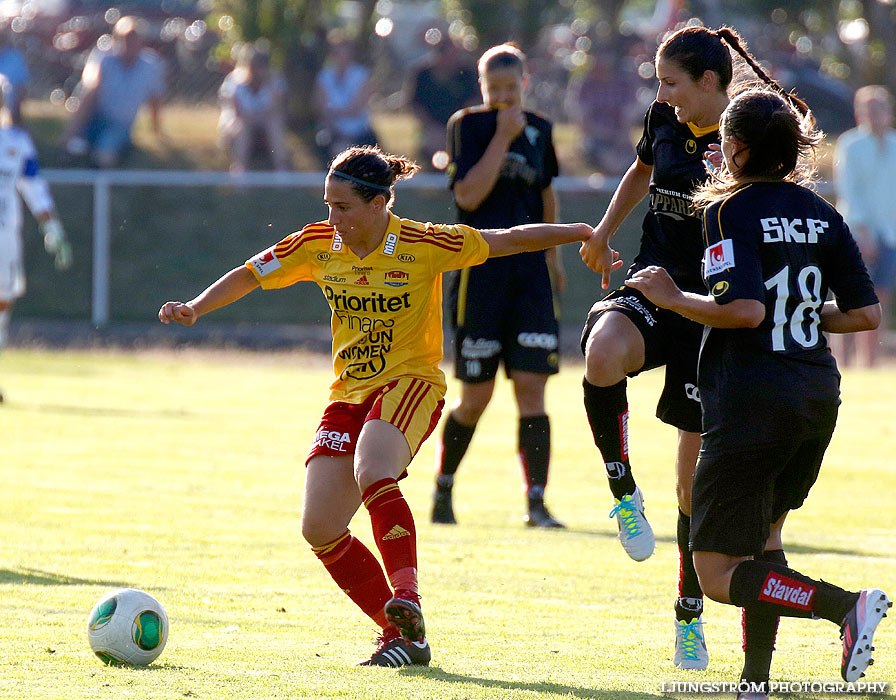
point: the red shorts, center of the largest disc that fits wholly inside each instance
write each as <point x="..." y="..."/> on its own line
<point x="410" y="404"/>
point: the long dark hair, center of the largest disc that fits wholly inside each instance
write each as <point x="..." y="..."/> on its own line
<point x="781" y="143"/>
<point x="698" y="49"/>
<point x="370" y="171"/>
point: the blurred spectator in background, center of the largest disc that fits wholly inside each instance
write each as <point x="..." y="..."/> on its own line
<point x="116" y="83"/>
<point x="15" y="68"/>
<point x="20" y="175"/>
<point x="442" y="83"/>
<point x="253" y="112"/>
<point x="341" y="98"/>
<point x="865" y="180"/>
<point x="601" y="101"/>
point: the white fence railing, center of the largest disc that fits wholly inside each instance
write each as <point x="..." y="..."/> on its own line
<point x="103" y="180"/>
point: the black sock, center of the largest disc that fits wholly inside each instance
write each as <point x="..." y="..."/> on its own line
<point x="534" y="441"/>
<point x="760" y="630"/>
<point x="778" y="590"/>
<point x="451" y="450"/>
<point x="607" y="411"/>
<point x="690" y="596"/>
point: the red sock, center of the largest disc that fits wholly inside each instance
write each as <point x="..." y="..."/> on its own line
<point x="357" y="572"/>
<point x="395" y="535"/>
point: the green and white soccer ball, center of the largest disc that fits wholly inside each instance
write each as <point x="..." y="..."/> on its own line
<point x="127" y="626"/>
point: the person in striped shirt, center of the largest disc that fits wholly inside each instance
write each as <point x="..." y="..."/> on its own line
<point x="381" y="276"/>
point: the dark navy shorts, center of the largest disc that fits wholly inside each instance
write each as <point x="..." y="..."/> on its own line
<point x="503" y="311"/>
<point x="737" y="495"/>
<point x="670" y="340"/>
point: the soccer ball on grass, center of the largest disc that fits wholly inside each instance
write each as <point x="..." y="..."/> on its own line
<point x="127" y="626"/>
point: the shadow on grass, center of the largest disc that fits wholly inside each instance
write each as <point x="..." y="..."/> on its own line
<point x="788" y="547"/>
<point x="37" y="577"/>
<point x="437" y="674"/>
<point x="103" y="411"/>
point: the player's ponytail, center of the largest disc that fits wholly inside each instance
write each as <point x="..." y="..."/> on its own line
<point x="371" y="172"/>
<point x="737" y="44"/>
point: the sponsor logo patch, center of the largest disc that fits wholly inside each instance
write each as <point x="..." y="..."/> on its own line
<point x="690" y="146"/>
<point x="362" y="280"/>
<point x="396" y="532"/>
<point x="397" y="278"/>
<point x="718" y="257"/>
<point x="335" y="440"/>
<point x="333" y="278"/>
<point x="623" y="433"/>
<point x="405" y="257"/>
<point x="787" y="591"/>
<point x="265" y="263"/>
<point x="719" y="288"/>
<point x="337" y="242"/>
<point x="323" y="257"/>
<point x="615" y="470"/>
<point x="545" y="341"/>
<point x="391" y="241"/>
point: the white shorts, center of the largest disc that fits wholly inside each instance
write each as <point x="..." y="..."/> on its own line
<point x="12" y="269"/>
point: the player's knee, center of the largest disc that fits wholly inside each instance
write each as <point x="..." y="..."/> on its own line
<point x="713" y="579"/>
<point x="317" y="531"/>
<point x="469" y="412"/>
<point x="603" y="365"/>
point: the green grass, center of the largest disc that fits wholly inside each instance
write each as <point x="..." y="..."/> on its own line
<point x="181" y="473"/>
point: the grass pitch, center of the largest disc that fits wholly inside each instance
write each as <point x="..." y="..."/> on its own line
<point x="181" y="473"/>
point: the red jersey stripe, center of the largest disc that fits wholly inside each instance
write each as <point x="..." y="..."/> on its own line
<point x="412" y="409"/>
<point x="290" y="245"/>
<point x="409" y="402"/>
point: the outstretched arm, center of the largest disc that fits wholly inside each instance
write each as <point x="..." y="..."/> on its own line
<point x="234" y="285"/>
<point x="597" y="253"/>
<point x="529" y="237"/>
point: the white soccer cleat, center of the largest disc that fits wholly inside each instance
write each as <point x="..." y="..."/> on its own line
<point x="635" y="532"/>
<point x="857" y="632"/>
<point x="690" y="647"/>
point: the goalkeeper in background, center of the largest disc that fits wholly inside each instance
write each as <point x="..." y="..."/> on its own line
<point x="20" y="175"/>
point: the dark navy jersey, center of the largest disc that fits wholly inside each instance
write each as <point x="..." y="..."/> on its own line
<point x="529" y="166"/>
<point x="783" y="245"/>
<point x="672" y="231"/>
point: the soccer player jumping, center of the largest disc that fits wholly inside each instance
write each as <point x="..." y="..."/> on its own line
<point x="768" y="382"/>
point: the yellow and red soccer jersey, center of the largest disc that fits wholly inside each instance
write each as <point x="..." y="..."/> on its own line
<point x="387" y="308"/>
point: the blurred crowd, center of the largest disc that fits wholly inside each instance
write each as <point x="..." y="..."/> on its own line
<point x="106" y="68"/>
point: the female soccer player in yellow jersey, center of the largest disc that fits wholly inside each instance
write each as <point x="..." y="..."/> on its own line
<point x="381" y="276"/>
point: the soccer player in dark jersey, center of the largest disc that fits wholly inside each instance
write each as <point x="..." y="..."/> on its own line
<point x="381" y="276"/>
<point x="768" y="382"/>
<point x="625" y="333"/>
<point x="502" y="162"/>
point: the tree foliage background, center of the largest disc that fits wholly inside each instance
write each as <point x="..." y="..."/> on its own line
<point x="852" y="41"/>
